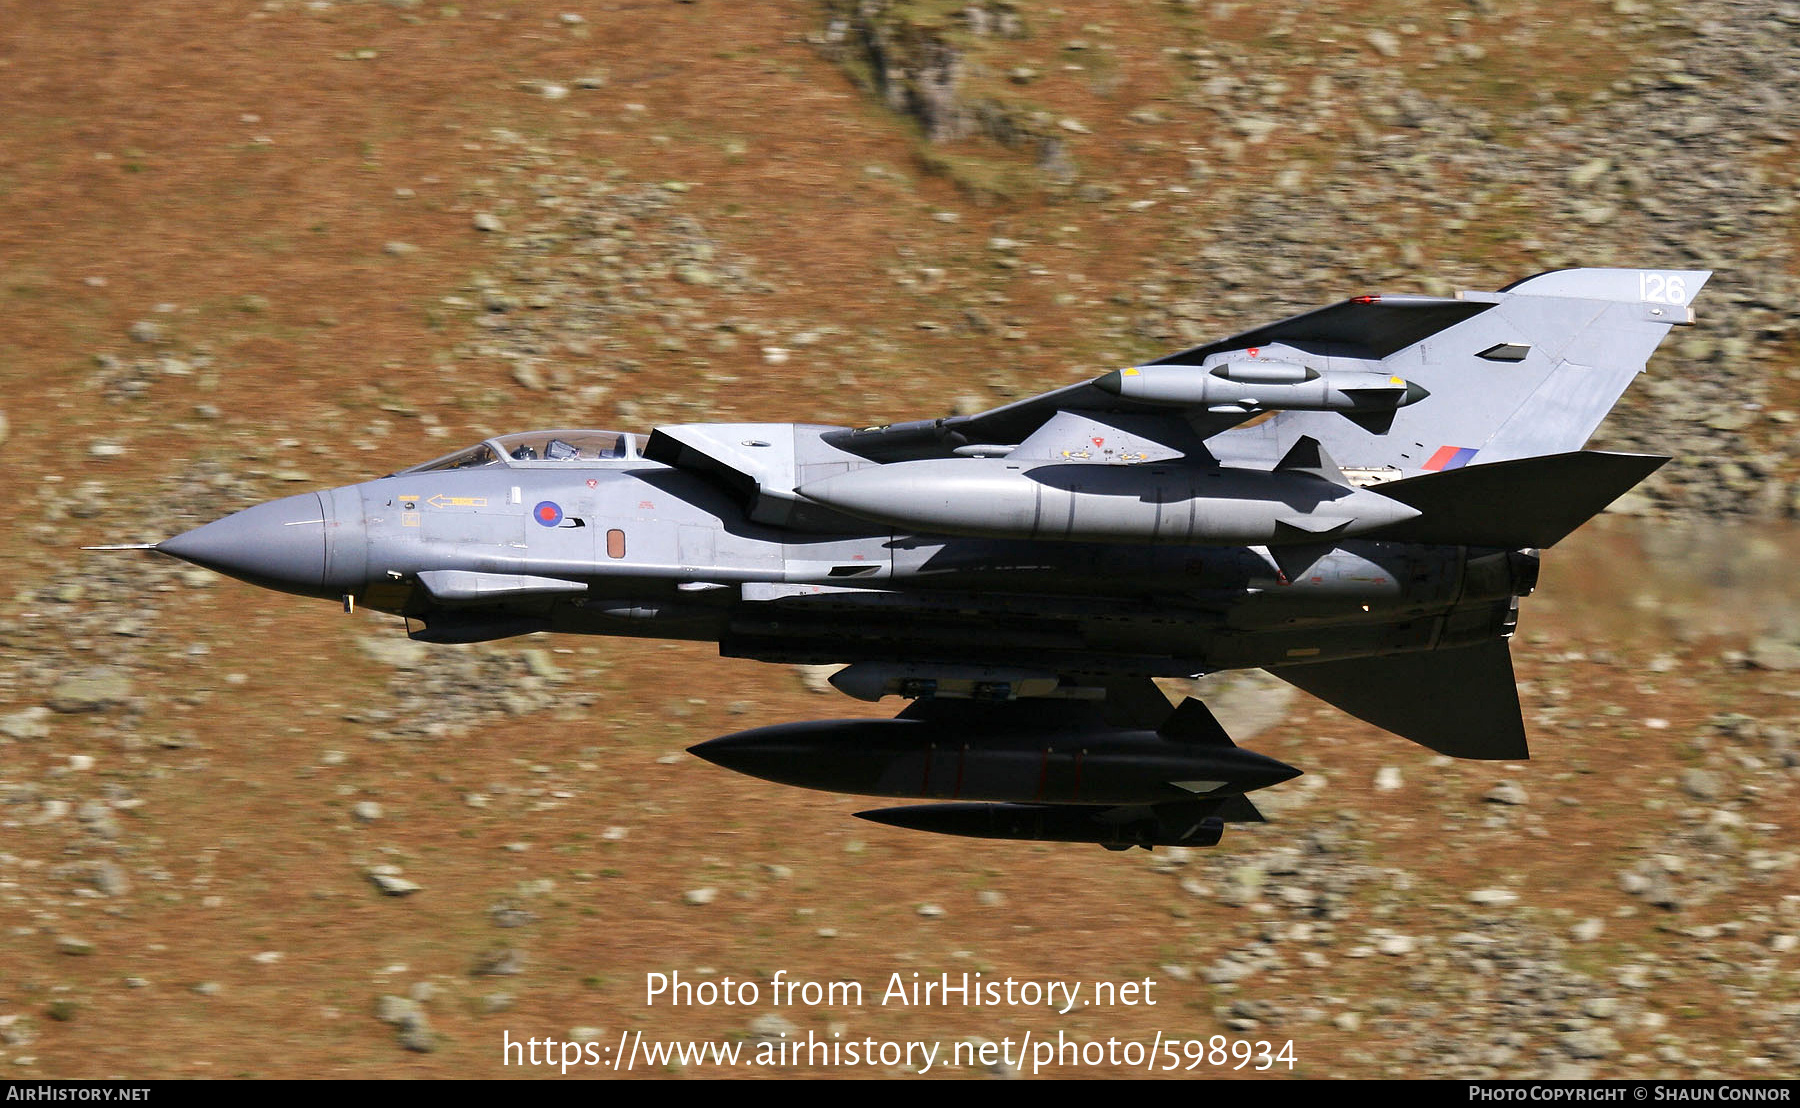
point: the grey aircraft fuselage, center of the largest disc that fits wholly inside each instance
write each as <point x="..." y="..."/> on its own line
<point x="637" y="548"/>
<point x="1353" y="498"/>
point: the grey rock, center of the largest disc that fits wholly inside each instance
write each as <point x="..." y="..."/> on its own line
<point x="1245" y="702"/>
<point x="1506" y="792"/>
<point x="539" y="664"/>
<point x="1702" y="784"/>
<point x="400" y="1011"/>
<point x="501" y="961"/>
<point x="817" y="679"/>
<point x="1589" y="171"/>
<point x="510" y="915"/>
<point x="1226" y="971"/>
<point x="771" y="1027"/>
<point x="394" y="651"/>
<point x="1601" y="1007"/>
<point x="1386" y="43"/>
<point x="1660" y="891"/>
<point x="487" y="221"/>
<point x="389" y="881"/>
<point x="1055" y="162"/>
<point x="1775" y="654"/>
<point x="31" y="723"/>
<point x="1594" y="1042"/>
<point x="110" y="878"/>
<point x="92" y="691"/>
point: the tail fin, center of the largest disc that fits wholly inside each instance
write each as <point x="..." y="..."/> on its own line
<point x="1532" y="374"/>
<point x="1193" y="722"/>
<point x="1460" y="702"/>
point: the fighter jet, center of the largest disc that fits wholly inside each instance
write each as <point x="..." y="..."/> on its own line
<point x="1353" y="499"/>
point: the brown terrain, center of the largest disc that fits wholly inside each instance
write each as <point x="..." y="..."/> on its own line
<point x="242" y="254"/>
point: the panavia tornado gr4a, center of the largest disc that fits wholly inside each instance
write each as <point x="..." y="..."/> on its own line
<point x="1353" y="499"/>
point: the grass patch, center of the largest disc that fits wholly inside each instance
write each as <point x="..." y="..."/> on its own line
<point x="984" y="180"/>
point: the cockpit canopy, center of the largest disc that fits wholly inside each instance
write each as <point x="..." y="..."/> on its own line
<point x="535" y="449"/>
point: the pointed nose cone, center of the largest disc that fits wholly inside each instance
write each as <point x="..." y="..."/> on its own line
<point x="869" y="495"/>
<point x="1415" y="392"/>
<point x="837" y="755"/>
<point x="1266" y="771"/>
<point x="767" y="752"/>
<point x="1372" y="510"/>
<point x="279" y="545"/>
<point x="1234" y="771"/>
<point x="734" y="754"/>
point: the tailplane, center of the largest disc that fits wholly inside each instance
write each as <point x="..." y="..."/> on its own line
<point x="1526" y="502"/>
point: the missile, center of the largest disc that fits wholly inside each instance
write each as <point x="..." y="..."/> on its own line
<point x="998" y="752"/>
<point x="1113" y="828"/>
<point x="1254" y="384"/>
<point x="1305" y="499"/>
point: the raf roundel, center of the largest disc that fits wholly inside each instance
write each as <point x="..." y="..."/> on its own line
<point x="547" y="513"/>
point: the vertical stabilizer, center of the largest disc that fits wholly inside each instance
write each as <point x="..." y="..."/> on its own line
<point x="1533" y="374"/>
<point x="1460" y="702"/>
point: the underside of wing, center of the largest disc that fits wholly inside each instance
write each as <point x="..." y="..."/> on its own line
<point x="1363" y="327"/>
